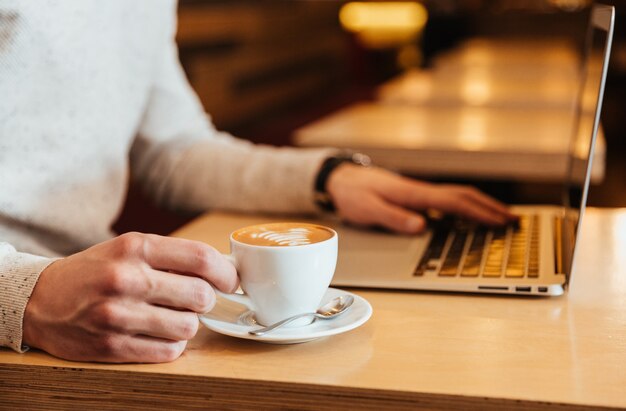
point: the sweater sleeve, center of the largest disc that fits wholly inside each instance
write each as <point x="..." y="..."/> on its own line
<point x="18" y="275"/>
<point x="184" y="162"/>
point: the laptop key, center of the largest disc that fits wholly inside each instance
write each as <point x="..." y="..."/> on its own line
<point x="431" y="260"/>
<point x="533" y="257"/>
<point x="474" y="257"/>
<point x="518" y="250"/>
<point x="495" y="254"/>
<point x="453" y="257"/>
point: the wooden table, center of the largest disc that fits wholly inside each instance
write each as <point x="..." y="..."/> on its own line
<point x="436" y="351"/>
<point x="481" y="87"/>
<point x="506" y="143"/>
<point x="486" y="110"/>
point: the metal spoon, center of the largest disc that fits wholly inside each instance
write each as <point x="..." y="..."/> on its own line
<point x="332" y="309"/>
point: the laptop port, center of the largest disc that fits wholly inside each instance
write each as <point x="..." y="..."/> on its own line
<point x="523" y="289"/>
<point x="543" y="289"/>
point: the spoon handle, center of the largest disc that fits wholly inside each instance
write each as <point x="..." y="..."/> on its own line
<point x="269" y="328"/>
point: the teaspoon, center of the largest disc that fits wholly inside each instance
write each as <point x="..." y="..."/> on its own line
<point x="332" y="309"/>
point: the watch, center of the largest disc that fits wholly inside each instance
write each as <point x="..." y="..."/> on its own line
<point x="322" y="197"/>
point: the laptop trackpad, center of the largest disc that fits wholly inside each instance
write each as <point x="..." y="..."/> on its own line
<point x="365" y="253"/>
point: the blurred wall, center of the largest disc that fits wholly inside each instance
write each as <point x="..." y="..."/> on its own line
<point x="248" y="58"/>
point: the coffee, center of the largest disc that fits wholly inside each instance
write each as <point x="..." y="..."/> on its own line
<point x="282" y="234"/>
<point x="284" y="268"/>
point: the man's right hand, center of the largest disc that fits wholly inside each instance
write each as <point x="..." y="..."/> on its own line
<point x="130" y="299"/>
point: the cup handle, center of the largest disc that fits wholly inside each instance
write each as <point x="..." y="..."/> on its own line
<point x="240" y="298"/>
<point x="235" y="297"/>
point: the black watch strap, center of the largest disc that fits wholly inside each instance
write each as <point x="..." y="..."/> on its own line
<point x="322" y="198"/>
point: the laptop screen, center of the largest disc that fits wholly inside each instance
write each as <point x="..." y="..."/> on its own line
<point x="587" y="117"/>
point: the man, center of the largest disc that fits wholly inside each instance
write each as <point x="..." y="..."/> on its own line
<point x="87" y="86"/>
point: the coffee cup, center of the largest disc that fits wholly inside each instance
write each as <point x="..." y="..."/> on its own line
<point x="284" y="268"/>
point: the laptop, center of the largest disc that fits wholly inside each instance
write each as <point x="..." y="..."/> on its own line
<point x="533" y="257"/>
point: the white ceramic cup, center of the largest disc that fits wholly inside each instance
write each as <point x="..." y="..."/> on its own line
<point x="279" y="282"/>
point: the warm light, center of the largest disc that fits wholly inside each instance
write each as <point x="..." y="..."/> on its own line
<point x="359" y="16"/>
<point x="472" y="130"/>
<point x="476" y="86"/>
<point x="570" y="5"/>
<point x="384" y="24"/>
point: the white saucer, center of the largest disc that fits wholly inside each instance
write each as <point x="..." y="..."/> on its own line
<point x="234" y="319"/>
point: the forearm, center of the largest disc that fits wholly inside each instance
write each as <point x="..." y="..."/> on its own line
<point x="228" y="173"/>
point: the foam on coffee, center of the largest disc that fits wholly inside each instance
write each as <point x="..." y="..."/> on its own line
<point x="282" y="234"/>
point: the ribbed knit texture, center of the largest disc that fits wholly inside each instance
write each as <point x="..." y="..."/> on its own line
<point x="86" y="86"/>
<point x="18" y="277"/>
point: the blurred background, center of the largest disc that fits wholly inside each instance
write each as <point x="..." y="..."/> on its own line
<point x="264" y="69"/>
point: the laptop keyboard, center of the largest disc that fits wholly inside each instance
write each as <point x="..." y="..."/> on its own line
<point x="464" y="249"/>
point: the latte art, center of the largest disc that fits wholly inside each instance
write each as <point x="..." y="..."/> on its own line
<point x="294" y="236"/>
<point x="283" y="234"/>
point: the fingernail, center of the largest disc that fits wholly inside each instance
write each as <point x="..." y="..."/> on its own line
<point x="414" y="224"/>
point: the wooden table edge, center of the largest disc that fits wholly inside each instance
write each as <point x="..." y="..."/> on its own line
<point x="48" y="387"/>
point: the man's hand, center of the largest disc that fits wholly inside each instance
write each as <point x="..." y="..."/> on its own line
<point x="374" y="196"/>
<point x="131" y="299"/>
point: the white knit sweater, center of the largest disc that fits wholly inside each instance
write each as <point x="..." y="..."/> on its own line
<point x="92" y="92"/>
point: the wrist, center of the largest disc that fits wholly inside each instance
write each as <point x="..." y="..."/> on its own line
<point x="35" y="308"/>
<point x="323" y="196"/>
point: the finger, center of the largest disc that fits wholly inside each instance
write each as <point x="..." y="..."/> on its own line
<point x="394" y="217"/>
<point x="179" y="291"/>
<point x="463" y="200"/>
<point x="138" y="349"/>
<point x="146" y="319"/>
<point x="191" y="257"/>
<point x="160" y="322"/>
<point x="483" y="199"/>
<point x="450" y="199"/>
<point x="451" y="202"/>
